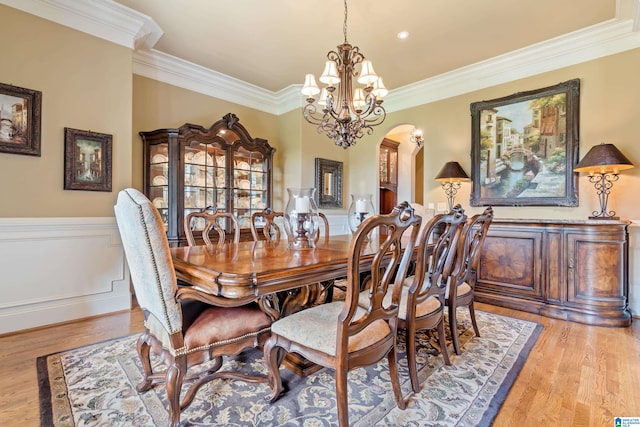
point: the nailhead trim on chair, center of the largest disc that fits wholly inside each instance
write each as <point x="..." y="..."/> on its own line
<point x="153" y="261"/>
<point x="182" y="350"/>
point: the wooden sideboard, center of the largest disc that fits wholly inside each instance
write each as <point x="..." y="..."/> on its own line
<point x="565" y="269"/>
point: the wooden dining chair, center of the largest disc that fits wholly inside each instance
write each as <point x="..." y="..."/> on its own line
<point x="270" y="228"/>
<point x="422" y="301"/>
<point x="462" y="288"/>
<point x="341" y="335"/>
<point x="184" y="333"/>
<point x="211" y="218"/>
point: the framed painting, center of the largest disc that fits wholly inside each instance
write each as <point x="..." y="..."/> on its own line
<point x="20" y="111"/>
<point x="525" y="146"/>
<point x="87" y="160"/>
<point x="328" y="183"/>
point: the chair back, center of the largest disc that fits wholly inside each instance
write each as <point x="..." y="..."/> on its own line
<point x="436" y="258"/>
<point x="271" y="229"/>
<point x="210" y="219"/>
<point x="147" y="252"/>
<point x="473" y="236"/>
<point x="324" y="224"/>
<point x="425" y="213"/>
<point x="392" y="256"/>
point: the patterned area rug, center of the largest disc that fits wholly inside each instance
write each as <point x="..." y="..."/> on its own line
<point x="95" y="386"/>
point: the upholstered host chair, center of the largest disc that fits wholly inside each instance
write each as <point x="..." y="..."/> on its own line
<point x="423" y="294"/>
<point x="182" y="334"/>
<point x="211" y="217"/>
<point x="271" y="228"/>
<point x="461" y="291"/>
<point x="341" y="335"/>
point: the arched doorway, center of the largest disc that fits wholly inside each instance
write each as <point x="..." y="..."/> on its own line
<point x="401" y="169"/>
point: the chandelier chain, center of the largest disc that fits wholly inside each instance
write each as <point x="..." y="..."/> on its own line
<point x="345" y="22"/>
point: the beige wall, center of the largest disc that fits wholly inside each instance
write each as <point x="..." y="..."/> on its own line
<point x="85" y="84"/>
<point x="609" y="112"/>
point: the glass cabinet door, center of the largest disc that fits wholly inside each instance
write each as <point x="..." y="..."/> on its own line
<point x="159" y="179"/>
<point x="204" y="178"/>
<point x="250" y="186"/>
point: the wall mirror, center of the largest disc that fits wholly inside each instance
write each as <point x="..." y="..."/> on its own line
<point x="328" y="183"/>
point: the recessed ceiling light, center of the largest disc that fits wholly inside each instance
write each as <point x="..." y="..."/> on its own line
<point x="403" y="35"/>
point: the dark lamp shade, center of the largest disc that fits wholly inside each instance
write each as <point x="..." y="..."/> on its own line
<point x="452" y="171"/>
<point x="603" y="158"/>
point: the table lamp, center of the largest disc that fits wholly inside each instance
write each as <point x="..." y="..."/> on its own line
<point x="602" y="164"/>
<point x="451" y="175"/>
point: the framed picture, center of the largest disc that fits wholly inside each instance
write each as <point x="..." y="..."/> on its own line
<point x="20" y="110"/>
<point x="87" y="160"/>
<point x="329" y="183"/>
<point x="525" y="146"/>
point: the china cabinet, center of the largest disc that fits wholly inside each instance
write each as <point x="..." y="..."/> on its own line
<point x="388" y="172"/>
<point x="193" y="168"/>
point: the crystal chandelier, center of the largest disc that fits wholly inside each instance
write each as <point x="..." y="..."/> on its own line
<point x="345" y="113"/>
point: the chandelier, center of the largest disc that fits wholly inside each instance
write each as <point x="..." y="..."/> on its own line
<point x="345" y="114"/>
<point x="416" y="137"/>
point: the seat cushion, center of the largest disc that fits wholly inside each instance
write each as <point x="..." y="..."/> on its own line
<point x="463" y="289"/>
<point x="317" y="328"/>
<point x="220" y="325"/>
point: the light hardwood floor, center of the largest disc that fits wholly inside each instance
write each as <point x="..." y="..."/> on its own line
<point x="576" y="375"/>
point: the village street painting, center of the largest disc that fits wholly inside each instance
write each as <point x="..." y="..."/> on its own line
<point x="523" y="149"/>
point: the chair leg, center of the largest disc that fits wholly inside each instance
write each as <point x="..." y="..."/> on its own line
<point x="443" y="342"/>
<point x="395" y="378"/>
<point x="143" y="349"/>
<point x="453" y="326"/>
<point x="341" y="397"/>
<point x="411" y="358"/>
<point x="472" y="313"/>
<point x="272" y="359"/>
<point x="173" y="383"/>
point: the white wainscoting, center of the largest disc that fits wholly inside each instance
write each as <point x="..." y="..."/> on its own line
<point x="59" y="269"/>
<point x="634" y="268"/>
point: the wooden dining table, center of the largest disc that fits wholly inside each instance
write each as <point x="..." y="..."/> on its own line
<point x="280" y="279"/>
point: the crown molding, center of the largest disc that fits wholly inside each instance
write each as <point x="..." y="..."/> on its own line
<point x="169" y="69"/>
<point x="591" y="43"/>
<point x="105" y="19"/>
<point x="118" y="24"/>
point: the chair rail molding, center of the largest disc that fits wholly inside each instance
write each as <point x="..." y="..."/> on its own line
<point x="60" y="269"/>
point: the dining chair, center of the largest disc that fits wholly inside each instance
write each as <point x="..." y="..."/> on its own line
<point x="209" y="219"/>
<point x="422" y="301"/>
<point x="184" y="333"/>
<point x="341" y="335"/>
<point x="271" y="228"/>
<point x="461" y="291"/>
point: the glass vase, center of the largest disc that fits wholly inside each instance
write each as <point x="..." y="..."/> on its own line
<point x="361" y="208"/>
<point x="301" y="215"/>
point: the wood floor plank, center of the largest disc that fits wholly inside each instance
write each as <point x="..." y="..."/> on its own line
<point x="575" y="375"/>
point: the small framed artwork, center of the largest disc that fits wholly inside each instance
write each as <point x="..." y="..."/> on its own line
<point x="328" y="183"/>
<point x="87" y="160"/>
<point x="525" y="146"/>
<point x="20" y="111"/>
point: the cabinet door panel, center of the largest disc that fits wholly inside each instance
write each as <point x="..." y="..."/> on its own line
<point x="509" y="263"/>
<point x="595" y="270"/>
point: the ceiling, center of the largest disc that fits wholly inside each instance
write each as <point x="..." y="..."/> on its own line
<point x="273" y="44"/>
